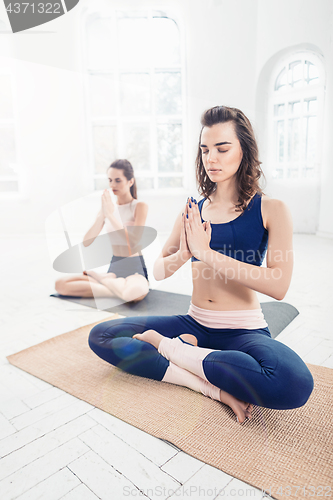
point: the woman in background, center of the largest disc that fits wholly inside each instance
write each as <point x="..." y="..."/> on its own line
<point x="126" y="278"/>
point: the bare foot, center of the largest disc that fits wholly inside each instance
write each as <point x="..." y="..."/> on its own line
<point x="154" y="338"/>
<point x="150" y="336"/>
<point x="99" y="276"/>
<point x="242" y="409"/>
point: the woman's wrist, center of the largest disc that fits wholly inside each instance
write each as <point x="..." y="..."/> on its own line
<point x="183" y="255"/>
<point x="100" y="217"/>
<point x="204" y="255"/>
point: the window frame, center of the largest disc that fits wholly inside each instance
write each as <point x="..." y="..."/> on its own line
<point x="286" y="96"/>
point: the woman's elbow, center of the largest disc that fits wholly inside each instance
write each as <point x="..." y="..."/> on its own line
<point x="279" y="296"/>
<point x="88" y="241"/>
<point x="279" y="293"/>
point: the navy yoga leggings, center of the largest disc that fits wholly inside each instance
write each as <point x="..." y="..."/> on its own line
<point x="248" y="364"/>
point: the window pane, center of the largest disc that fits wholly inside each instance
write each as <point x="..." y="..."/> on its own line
<point x="292" y="173"/>
<point x="134" y="42"/>
<point x="101" y="183"/>
<point x="311" y="72"/>
<point x="311" y="139"/>
<point x="278" y="173"/>
<point x="279" y="109"/>
<point x="280" y="140"/>
<point x="312" y="106"/>
<point x="308" y="172"/>
<point x="101" y="43"/>
<point x="6" y="100"/>
<point x="102" y="93"/>
<point x="145" y="182"/>
<point x="295" y="73"/>
<point x="169" y="138"/>
<point x="170" y="182"/>
<point x="137" y="145"/>
<point x="135" y="93"/>
<point x="7" y="151"/>
<point x="166" y="47"/>
<point x="168" y="93"/>
<point x="105" y="150"/>
<point x="293" y="139"/>
<point x="8" y="186"/>
<point x="295" y="108"/>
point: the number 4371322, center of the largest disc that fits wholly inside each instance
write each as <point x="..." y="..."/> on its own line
<point x="40" y="8"/>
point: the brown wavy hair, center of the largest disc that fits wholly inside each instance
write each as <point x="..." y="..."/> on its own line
<point x="127" y="168"/>
<point x="249" y="171"/>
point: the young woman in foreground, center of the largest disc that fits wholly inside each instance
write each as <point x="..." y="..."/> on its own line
<point x="222" y="347"/>
<point x="126" y="278"/>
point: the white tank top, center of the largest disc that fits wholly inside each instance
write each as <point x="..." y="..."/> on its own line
<point x="124" y="213"/>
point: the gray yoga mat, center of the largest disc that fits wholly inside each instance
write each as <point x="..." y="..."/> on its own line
<point x="158" y="303"/>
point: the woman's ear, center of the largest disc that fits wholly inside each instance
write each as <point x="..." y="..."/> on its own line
<point x="132" y="182"/>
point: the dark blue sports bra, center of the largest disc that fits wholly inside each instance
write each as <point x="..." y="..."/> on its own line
<point x="244" y="238"/>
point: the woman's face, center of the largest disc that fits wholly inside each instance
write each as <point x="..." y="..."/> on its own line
<point x="221" y="151"/>
<point x="118" y="182"/>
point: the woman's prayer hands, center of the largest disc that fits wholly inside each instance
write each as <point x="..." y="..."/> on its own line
<point x="107" y="204"/>
<point x="183" y="248"/>
<point x="197" y="234"/>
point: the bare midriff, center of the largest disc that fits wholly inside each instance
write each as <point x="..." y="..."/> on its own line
<point x="213" y="293"/>
<point x="122" y="251"/>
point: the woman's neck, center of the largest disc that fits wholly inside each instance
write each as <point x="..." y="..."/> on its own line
<point x="123" y="200"/>
<point x="226" y="192"/>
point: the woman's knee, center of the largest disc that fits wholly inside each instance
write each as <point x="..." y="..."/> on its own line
<point x="105" y="332"/>
<point x="297" y="388"/>
<point x="100" y="334"/>
<point x="305" y="383"/>
<point x="60" y="286"/>
<point x="135" y="290"/>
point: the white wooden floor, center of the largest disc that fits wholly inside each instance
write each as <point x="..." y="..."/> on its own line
<point x="54" y="446"/>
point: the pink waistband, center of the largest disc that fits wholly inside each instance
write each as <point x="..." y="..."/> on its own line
<point x="249" y="319"/>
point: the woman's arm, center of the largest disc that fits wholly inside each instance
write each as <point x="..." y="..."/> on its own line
<point x="273" y="280"/>
<point x="95" y="229"/>
<point x="140" y="216"/>
<point x="108" y="210"/>
<point x="175" y="251"/>
<point x="134" y="237"/>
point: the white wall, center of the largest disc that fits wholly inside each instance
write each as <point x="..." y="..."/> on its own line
<point x="290" y="26"/>
<point x="229" y="46"/>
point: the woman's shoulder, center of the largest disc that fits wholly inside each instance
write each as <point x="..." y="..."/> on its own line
<point x="272" y="209"/>
<point x="141" y="205"/>
<point x="140" y="208"/>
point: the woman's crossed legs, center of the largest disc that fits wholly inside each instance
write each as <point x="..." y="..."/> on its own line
<point x="133" y="288"/>
<point x="248" y="366"/>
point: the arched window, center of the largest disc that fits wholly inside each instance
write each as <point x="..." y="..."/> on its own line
<point x="8" y="147"/>
<point x="296" y="110"/>
<point x="134" y="95"/>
